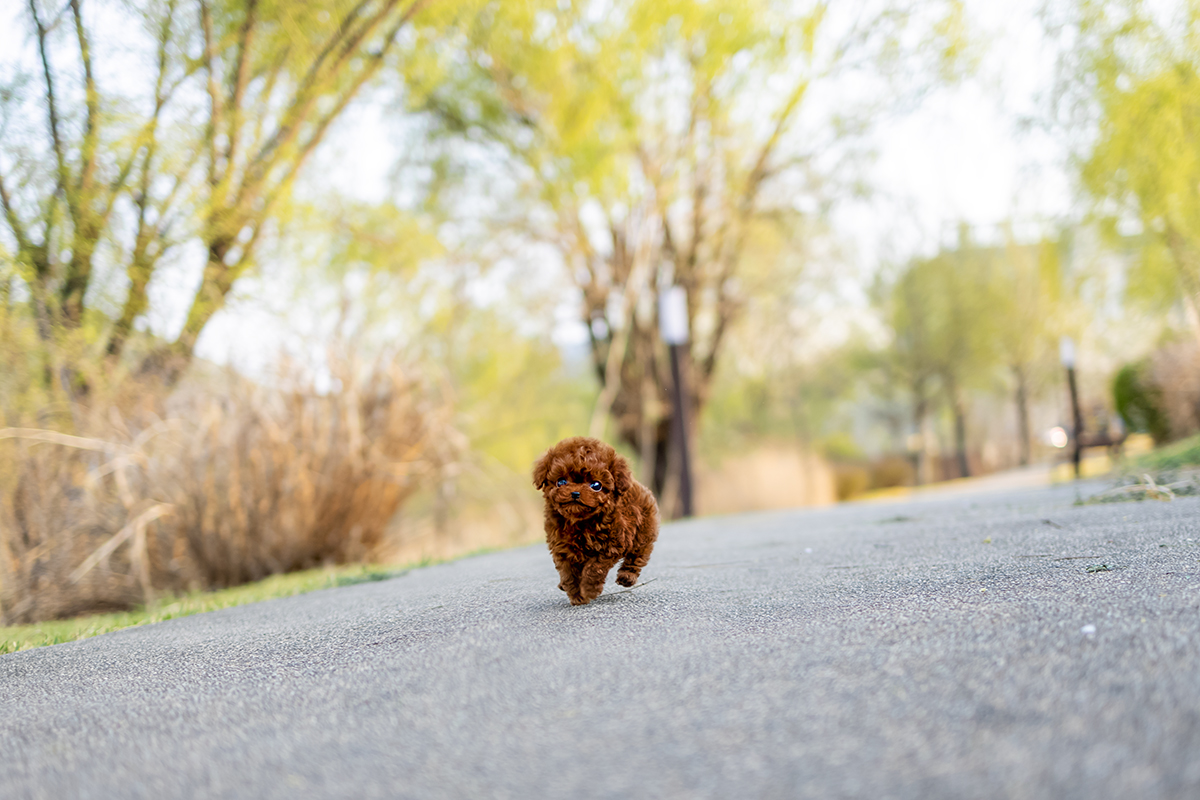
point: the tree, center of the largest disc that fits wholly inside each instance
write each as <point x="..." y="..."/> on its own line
<point x="1132" y="80"/>
<point x="236" y="96"/>
<point x="910" y="360"/>
<point x="649" y="139"/>
<point x="1025" y="296"/>
<point x="944" y="322"/>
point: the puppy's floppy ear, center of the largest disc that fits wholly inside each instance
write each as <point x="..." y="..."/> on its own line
<point x="541" y="470"/>
<point x="622" y="477"/>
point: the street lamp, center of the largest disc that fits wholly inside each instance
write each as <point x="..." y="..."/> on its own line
<point x="1066" y="354"/>
<point x="673" y="327"/>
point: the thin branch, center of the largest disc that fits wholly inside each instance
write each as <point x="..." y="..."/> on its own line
<point x="754" y="180"/>
<point x="146" y="142"/>
<point x="208" y="59"/>
<point x="321" y="127"/>
<point x="92" y="102"/>
<point x="14" y="221"/>
<point x="134" y="527"/>
<point x="238" y="79"/>
<point x="699" y="191"/>
<point x="51" y="101"/>
<point x="619" y="338"/>
<point x="264" y="100"/>
<point x="307" y="95"/>
<point x="63" y="439"/>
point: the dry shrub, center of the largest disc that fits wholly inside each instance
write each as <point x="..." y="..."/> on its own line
<point x="772" y="475"/>
<point x="890" y="471"/>
<point x="1175" y="372"/>
<point x="51" y="519"/>
<point x="210" y="489"/>
<point x="850" y="480"/>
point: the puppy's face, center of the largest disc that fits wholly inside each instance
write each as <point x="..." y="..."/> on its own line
<point x="581" y="477"/>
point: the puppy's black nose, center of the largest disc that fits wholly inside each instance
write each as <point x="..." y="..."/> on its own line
<point x="574" y="495"/>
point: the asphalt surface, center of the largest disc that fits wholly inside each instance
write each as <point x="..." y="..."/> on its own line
<point x="953" y="646"/>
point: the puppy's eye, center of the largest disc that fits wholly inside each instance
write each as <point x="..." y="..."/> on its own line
<point x="562" y="481"/>
<point x="596" y="486"/>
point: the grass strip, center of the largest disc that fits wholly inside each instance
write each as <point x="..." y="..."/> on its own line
<point x="40" y="634"/>
<point x="1177" y="455"/>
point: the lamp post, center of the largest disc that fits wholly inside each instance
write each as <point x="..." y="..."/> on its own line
<point x="673" y="327"/>
<point x="1066" y="354"/>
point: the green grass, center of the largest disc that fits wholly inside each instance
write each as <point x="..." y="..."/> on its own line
<point x="24" y="637"/>
<point x="1177" y="455"/>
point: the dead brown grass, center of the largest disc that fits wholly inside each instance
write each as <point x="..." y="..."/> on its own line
<point x="210" y="488"/>
<point x="771" y="476"/>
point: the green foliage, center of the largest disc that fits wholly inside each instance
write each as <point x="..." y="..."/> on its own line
<point x="396" y="287"/>
<point x="944" y="318"/>
<point x="1139" y="401"/>
<point x="796" y="401"/>
<point x="1178" y="455"/>
<point x="1136" y="71"/>
<point x="1025" y="296"/>
<point x="517" y="396"/>
<point x="973" y="319"/>
<point x="841" y="446"/>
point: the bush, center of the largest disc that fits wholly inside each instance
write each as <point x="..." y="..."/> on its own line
<point x="209" y="489"/>
<point x="1160" y="394"/>
<point x="1139" y="401"/>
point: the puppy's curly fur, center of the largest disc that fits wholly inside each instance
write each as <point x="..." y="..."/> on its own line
<point x="596" y="515"/>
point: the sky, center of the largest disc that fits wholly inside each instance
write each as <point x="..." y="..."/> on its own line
<point x="963" y="155"/>
<point x="966" y="154"/>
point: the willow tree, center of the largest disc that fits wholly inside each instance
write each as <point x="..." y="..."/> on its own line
<point x="648" y="139"/>
<point x="1026" y="299"/>
<point x="1132" y="81"/>
<point x="186" y="137"/>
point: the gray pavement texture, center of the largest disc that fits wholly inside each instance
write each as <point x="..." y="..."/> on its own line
<point x="951" y="646"/>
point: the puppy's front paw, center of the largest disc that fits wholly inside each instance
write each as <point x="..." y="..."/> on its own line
<point x="579" y="600"/>
<point x="626" y="578"/>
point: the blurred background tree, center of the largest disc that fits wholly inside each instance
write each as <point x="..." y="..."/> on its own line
<point x="1130" y="79"/>
<point x="649" y="141"/>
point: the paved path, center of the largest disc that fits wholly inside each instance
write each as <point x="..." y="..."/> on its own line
<point x="950" y="646"/>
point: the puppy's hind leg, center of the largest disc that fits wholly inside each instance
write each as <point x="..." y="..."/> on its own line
<point x="631" y="568"/>
<point x="631" y="565"/>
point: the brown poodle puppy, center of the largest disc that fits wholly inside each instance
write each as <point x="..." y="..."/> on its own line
<point x="596" y="515"/>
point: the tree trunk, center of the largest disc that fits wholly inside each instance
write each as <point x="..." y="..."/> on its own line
<point x="642" y="411"/>
<point x="960" y="437"/>
<point x="169" y="362"/>
<point x="920" y="456"/>
<point x="1022" y="399"/>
